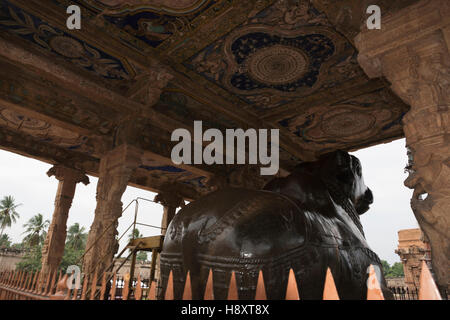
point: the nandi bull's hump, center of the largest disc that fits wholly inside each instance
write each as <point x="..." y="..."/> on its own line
<point x="232" y="230"/>
<point x="237" y="223"/>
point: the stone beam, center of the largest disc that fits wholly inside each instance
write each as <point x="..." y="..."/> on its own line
<point x="71" y="78"/>
<point x="45" y="87"/>
<point x="346" y="90"/>
<point x="412" y="51"/>
<point x="32" y="95"/>
<point x="27" y="146"/>
<point x="348" y="15"/>
<point x="53" y="248"/>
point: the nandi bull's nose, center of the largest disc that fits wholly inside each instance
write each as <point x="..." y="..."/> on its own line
<point x="368" y="196"/>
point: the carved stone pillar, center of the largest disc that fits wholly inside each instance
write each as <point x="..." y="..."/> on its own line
<point x="170" y="201"/>
<point x="53" y="248"/>
<point x="412" y="51"/>
<point x="116" y="167"/>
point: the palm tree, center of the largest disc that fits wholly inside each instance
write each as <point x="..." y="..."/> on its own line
<point x="76" y="237"/>
<point x="36" y="231"/>
<point x="5" y="241"/>
<point x="8" y="213"/>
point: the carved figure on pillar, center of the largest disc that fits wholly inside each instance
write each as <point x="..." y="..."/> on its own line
<point x="53" y="248"/>
<point x="412" y="51"/>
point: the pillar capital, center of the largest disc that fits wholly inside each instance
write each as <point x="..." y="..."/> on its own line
<point x="403" y="35"/>
<point x="412" y="51"/>
<point x="63" y="173"/>
<point x="169" y="198"/>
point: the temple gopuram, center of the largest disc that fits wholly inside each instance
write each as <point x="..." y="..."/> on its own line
<point x="104" y="99"/>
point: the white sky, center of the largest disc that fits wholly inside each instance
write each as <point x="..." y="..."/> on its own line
<point x="383" y="170"/>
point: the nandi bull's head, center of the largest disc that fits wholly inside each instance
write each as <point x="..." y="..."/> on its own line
<point x="337" y="172"/>
<point x="342" y="170"/>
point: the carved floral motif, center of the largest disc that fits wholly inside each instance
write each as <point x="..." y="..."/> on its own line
<point x="52" y="39"/>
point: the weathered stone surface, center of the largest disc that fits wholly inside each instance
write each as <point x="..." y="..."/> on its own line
<point x="116" y="168"/>
<point x="412" y="250"/>
<point x="53" y="248"/>
<point x="412" y="52"/>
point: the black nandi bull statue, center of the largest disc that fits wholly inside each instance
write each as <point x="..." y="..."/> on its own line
<point x="307" y="221"/>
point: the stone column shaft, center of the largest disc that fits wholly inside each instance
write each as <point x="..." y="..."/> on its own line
<point x="54" y="244"/>
<point x="412" y="51"/>
<point x="116" y="168"/>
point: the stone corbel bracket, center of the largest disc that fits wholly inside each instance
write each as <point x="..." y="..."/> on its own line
<point x="61" y="172"/>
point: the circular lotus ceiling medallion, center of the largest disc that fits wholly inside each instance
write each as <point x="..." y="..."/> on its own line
<point x="22" y="121"/>
<point x="347" y="124"/>
<point x="277" y="64"/>
<point x="67" y="47"/>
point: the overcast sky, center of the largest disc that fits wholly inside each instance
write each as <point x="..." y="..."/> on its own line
<point x="383" y="170"/>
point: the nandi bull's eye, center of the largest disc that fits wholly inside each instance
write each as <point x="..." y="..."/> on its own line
<point x="358" y="169"/>
<point x="356" y="166"/>
<point x="345" y="175"/>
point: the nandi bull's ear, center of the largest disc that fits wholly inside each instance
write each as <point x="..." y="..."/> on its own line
<point x="338" y="159"/>
<point x="343" y="159"/>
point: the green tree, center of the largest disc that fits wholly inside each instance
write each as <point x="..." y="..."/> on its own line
<point x="32" y="261"/>
<point x="36" y="230"/>
<point x="141" y="255"/>
<point x="17" y="246"/>
<point x="71" y="257"/>
<point x="8" y="213"/>
<point x="74" y="249"/>
<point x="76" y="237"/>
<point x="386" y="266"/>
<point x="135" y="234"/>
<point x="394" y="271"/>
<point x="5" y="241"/>
<point x="397" y="270"/>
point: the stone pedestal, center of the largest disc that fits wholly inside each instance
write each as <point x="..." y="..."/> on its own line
<point x="412" y="51"/>
<point x="53" y="248"/>
<point x="116" y="167"/>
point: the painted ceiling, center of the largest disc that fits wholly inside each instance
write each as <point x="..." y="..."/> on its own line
<point x="282" y="64"/>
